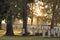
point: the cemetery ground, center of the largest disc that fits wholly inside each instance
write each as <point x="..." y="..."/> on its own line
<point x="19" y="37"/>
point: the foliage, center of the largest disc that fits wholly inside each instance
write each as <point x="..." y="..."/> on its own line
<point x="49" y="10"/>
<point x="4" y="7"/>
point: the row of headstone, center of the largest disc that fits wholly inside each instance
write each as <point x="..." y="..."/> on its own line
<point x="46" y="31"/>
<point x="53" y="32"/>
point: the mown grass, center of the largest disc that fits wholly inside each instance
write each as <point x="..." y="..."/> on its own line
<point x="26" y="38"/>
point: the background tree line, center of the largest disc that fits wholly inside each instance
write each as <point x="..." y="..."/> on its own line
<point x="18" y="9"/>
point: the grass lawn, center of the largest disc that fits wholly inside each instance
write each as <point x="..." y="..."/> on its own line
<point x="2" y="32"/>
<point x="26" y="38"/>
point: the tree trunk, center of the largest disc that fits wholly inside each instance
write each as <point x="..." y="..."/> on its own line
<point x="32" y="15"/>
<point x="53" y="15"/>
<point x="55" y="22"/>
<point x="0" y="25"/>
<point x="25" y="20"/>
<point x="25" y="26"/>
<point x="9" y="29"/>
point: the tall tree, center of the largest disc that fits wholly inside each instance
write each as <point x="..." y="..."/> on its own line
<point x="53" y="15"/>
<point x="3" y="10"/>
<point x="25" y="16"/>
<point x="1" y="4"/>
<point x="53" y="10"/>
<point x="9" y="29"/>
